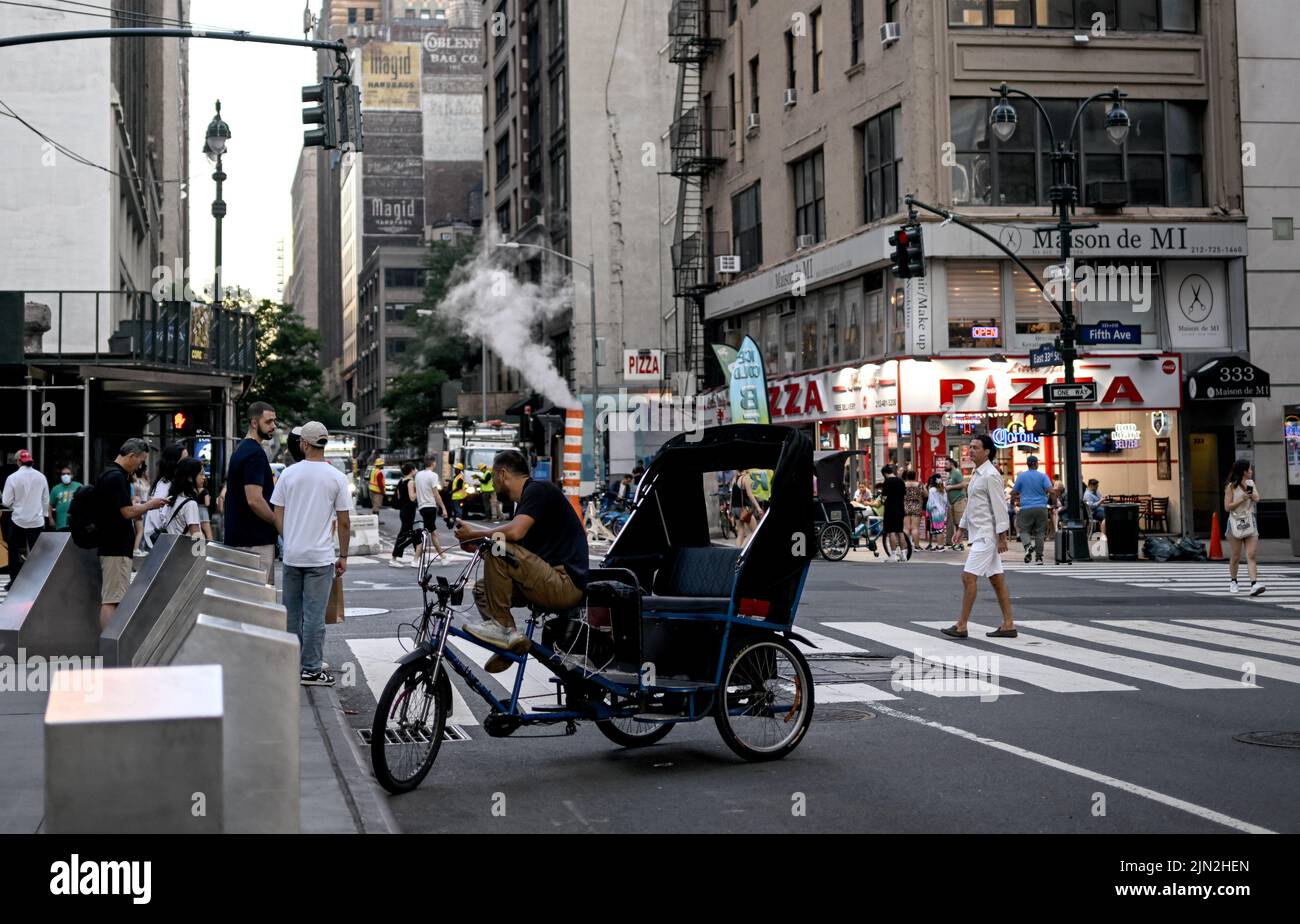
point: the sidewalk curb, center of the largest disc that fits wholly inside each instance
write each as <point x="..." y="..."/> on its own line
<point x="369" y="803"/>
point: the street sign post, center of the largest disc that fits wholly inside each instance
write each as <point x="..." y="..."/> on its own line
<point x="1070" y="393"/>
<point x="1045" y="355"/>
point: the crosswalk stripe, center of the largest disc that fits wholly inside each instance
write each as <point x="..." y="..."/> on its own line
<point x="1246" y="628"/>
<point x="535" y="682"/>
<point x="378" y="657"/>
<point x="851" y="693"/>
<point x="1106" y="661"/>
<point x="825" y="644"/>
<point x="1263" y="667"/>
<point x="1222" y="639"/>
<point x="932" y="648"/>
<point x="1281" y="622"/>
<point x="866" y="692"/>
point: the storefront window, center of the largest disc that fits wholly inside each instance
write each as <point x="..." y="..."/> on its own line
<point x="808" y="324"/>
<point x="874" y="330"/>
<point x="974" y="305"/>
<point x="1126" y="292"/>
<point x="772" y="338"/>
<point x="832" y="334"/>
<point x="790" y="341"/>
<point x="853" y="322"/>
<point x="897" y="317"/>
<point x="1036" y="320"/>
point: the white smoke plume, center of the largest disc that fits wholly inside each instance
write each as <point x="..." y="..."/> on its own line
<point x="487" y="302"/>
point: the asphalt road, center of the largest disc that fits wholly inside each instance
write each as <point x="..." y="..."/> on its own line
<point x="1077" y="726"/>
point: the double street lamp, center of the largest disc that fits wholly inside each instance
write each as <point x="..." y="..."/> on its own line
<point x="214" y="146"/>
<point x="1064" y="196"/>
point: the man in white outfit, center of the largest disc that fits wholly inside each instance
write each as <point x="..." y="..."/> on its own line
<point x="986" y="523"/>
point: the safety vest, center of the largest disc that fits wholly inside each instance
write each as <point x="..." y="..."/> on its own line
<point x="760" y="483"/>
<point x="485" y="483"/>
<point x="458" y="492"/>
<point x="376" y="480"/>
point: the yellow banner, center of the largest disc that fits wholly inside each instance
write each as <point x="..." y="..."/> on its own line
<point x="390" y="75"/>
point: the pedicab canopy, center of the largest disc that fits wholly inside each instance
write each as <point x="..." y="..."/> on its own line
<point x="832" y="474"/>
<point x="672" y="511"/>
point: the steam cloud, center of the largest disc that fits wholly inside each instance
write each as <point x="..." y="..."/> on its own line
<point x="487" y="302"/>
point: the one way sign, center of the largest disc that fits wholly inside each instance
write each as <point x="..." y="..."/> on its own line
<point x="1073" y="393"/>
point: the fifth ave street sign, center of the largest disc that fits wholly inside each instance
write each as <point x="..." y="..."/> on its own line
<point x="1075" y="393"/>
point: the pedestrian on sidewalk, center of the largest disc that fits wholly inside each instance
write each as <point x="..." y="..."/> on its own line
<point x="429" y="505"/>
<point x="406" y="509"/>
<point x="308" y="497"/>
<point x="936" y="507"/>
<point x="913" y="509"/>
<point x="181" y="516"/>
<point x="140" y="493"/>
<point x="1240" y="501"/>
<point x="115" y="515"/>
<point x="153" y="522"/>
<point x="61" y="498"/>
<point x="985" y="524"/>
<point x="27" y="495"/>
<point x="956" y="500"/>
<point x="1032" y="491"/>
<point x="893" y="491"/>
<point x="250" y="521"/>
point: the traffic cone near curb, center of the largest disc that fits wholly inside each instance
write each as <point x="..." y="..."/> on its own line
<point x="1216" y="544"/>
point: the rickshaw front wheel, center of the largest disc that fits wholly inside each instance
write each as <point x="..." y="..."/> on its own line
<point x="833" y="542"/>
<point x="629" y="733"/>
<point x="765" y="704"/>
<point x="409" y="721"/>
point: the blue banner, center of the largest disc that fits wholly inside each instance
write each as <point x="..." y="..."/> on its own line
<point x="749" y="385"/>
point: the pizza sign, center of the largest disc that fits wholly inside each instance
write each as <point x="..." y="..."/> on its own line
<point x="643" y="365"/>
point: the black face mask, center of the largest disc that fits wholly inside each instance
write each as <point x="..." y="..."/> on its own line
<point x="295" y="447"/>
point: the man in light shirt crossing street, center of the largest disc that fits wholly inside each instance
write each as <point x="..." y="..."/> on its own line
<point x="27" y="494"/>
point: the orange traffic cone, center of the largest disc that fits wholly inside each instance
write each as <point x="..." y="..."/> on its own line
<point x="1216" y="544"/>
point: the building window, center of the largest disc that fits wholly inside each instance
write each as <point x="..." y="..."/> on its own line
<point x="500" y="17"/>
<point x="352" y="15"/>
<point x="873" y="304"/>
<point x="563" y="354"/>
<point x="791" y="74"/>
<point x="832" y="334"/>
<point x="556" y="25"/>
<point x="557" y="101"/>
<point x="395" y="348"/>
<point x="857" y="14"/>
<point x="747" y="226"/>
<point x="883" y="161"/>
<point x="403" y="278"/>
<point x="771" y="339"/>
<point x="399" y="314"/>
<point x="503" y="90"/>
<point x="1161" y="162"/>
<point x="810" y="197"/>
<point x="1036" y="319"/>
<point x="974" y="304"/>
<point x="731" y="11"/>
<point x="370" y="15"/>
<point x="731" y="106"/>
<point x="809" y="325"/>
<point x="503" y="219"/>
<point x="852" y="328"/>
<point x="559" y="182"/>
<point x="503" y="158"/>
<point x="753" y="85"/>
<point x="1134" y="15"/>
<point x="818" y="51"/>
<point x="891" y="11"/>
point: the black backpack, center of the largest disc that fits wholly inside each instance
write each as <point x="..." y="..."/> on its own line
<point x="81" y="518"/>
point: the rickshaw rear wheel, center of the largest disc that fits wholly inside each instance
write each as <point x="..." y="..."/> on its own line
<point x="833" y="542"/>
<point x="627" y="732"/>
<point x="765" y="704"/>
<point x="401" y="766"/>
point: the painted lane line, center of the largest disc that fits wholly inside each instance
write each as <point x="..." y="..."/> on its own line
<point x="937" y="647"/>
<point x="1164" y="674"/>
<point x="1192" y="808"/>
<point x="1222" y="639"/>
<point x="1282" y="622"/>
<point x="378" y="657"/>
<point x="1263" y="667"/>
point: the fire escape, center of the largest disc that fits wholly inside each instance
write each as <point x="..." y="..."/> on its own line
<point x="698" y="145"/>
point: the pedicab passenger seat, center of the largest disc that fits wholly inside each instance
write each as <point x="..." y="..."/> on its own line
<point x="693" y="580"/>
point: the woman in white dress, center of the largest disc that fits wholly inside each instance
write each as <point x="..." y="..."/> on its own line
<point x="1242" y="533"/>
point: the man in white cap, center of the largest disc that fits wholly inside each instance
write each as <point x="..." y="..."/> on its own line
<point x="307" y="498"/>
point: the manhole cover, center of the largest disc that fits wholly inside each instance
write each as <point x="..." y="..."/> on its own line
<point x="841" y="712"/>
<point x="363" y="611"/>
<point x="1286" y="739"/>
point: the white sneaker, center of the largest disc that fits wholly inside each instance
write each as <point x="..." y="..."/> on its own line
<point x="498" y="636"/>
<point x="395" y="563"/>
<point x="1256" y="589"/>
<point x="1232" y="587"/>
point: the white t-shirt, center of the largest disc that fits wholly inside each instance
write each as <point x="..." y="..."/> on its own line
<point x="178" y="523"/>
<point x="155" y="519"/>
<point x="311" y="493"/>
<point x="427" y="484"/>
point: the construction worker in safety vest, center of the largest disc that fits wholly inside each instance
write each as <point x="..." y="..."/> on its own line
<point x="377" y="484"/>
<point x="458" y="492"/>
<point x="489" y="492"/>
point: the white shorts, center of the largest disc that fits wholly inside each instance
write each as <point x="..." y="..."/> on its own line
<point x="983" y="559"/>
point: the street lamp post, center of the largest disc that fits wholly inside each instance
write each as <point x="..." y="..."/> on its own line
<point x="597" y="450"/>
<point x="214" y="146"/>
<point x="1064" y="196"/>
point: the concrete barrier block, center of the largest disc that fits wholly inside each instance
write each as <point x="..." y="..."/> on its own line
<point x="141" y="752"/>
<point x="53" y="608"/>
<point x="266" y="615"/>
<point x="243" y="590"/>
<point x="364" y="536"/>
<point x="159" y="608"/>
<point x="259" y="670"/>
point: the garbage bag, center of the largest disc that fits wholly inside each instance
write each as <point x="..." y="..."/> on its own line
<point x="1190" y="549"/>
<point x="1158" y="548"/>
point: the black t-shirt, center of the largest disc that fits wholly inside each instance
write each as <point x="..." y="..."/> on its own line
<point x="405" y="506"/>
<point x="893" y="491"/>
<point x="116" y="532"/>
<point x="248" y="466"/>
<point x="556" y="535"/>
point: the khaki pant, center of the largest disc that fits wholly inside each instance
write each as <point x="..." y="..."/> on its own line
<point x="529" y="579"/>
<point x="955" y="511"/>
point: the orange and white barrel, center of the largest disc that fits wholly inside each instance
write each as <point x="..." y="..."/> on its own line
<point x="573" y="457"/>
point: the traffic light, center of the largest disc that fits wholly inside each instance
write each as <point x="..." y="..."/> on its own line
<point x="915" y="256"/>
<point x="899" y="259"/>
<point x="322" y="114"/>
<point x="349" y="116"/>
<point x="1041" y="422"/>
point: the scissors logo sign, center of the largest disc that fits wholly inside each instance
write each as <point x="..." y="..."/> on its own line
<point x="1195" y="298"/>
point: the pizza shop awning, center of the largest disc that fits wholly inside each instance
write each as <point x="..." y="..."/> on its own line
<point x="1228" y="378"/>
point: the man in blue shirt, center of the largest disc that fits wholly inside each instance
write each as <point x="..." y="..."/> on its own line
<point x="1031" y="491"/>
<point x="250" y="521"/>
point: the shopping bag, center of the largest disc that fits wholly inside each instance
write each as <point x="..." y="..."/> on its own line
<point x="1097" y="546"/>
<point x="334" y="609"/>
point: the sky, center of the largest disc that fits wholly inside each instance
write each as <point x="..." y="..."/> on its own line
<point x="259" y="87"/>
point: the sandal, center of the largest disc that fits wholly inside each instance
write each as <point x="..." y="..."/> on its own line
<point x="953" y="632"/>
<point x="1002" y="633"/>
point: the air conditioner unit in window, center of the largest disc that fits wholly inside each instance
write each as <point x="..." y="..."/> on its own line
<point x="890" y="33"/>
<point x="804" y="241"/>
<point x="751" y="124"/>
<point x="728" y="264"/>
<point x="731" y="137"/>
<point x="1106" y="194"/>
<point x="791" y="97"/>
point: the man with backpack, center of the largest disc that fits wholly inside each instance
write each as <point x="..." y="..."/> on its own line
<point x="102" y="516"/>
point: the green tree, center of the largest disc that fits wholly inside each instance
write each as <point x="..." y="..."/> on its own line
<point x="413" y="396"/>
<point x="289" y="376"/>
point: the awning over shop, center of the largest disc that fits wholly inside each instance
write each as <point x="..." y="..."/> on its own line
<point x="1228" y="378"/>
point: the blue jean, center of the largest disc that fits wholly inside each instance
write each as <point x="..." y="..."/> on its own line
<point x="306" y="595"/>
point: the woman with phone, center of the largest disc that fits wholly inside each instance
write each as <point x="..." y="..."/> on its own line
<point x="1240" y="501"/>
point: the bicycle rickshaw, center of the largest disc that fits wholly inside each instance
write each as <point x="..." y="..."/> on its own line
<point x="835" y="521"/>
<point x="673" y="629"/>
